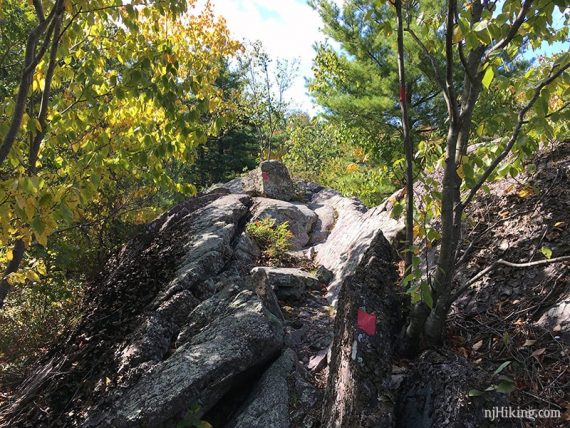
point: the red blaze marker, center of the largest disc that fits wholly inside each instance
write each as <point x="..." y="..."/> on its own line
<point x="265" y="175"/>
<point x="402" y="93"/>
<point x="366" y="322"/>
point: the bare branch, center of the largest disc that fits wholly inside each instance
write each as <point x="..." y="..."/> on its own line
<point x="39" y="10"/>
<point x="465" y="286"/>
<point x="437" y="74"/>
<point x="552" y="76"/>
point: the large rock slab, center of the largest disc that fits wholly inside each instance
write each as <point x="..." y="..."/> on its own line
<point x="298" y="216"/>
<point x="171" y="320"/>
<point x="200" y="371"/>
<point x="268" y="403"/>
<point x="355" y="228"/>
<point x="358" y="390"/>
<point x="287" y="283"/>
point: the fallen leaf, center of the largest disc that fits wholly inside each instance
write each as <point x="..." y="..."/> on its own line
<point x="528" y="342"/>
<point x="526" y="191"/>
<point x="557" y="328"/>
<point x="478" y="345"/>
<point x="538" y="353"/>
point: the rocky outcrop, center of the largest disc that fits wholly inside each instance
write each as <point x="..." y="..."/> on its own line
<point x="354" y="230"/>
<point x="358" y="392"/>
<point x="179" y="327"/>
<point x="239" y="337"/>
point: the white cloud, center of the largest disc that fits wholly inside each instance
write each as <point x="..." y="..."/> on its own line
<point x="287" y="29"/>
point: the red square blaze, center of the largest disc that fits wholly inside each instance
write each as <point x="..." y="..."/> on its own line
<point x="366" y="322"/>
<point x="265" y="175"/>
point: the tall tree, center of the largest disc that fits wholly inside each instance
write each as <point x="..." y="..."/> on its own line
<point x="268" y="80"/>
<point x="467" y="84"/>
<point x="106" y="90"/>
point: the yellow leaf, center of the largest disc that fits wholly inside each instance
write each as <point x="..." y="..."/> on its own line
<point x="9" y="255"/>
<point x="32" y="276"/>
<point x="352" y="167"/>
<point x="16" y="278"/>
<point x="41" y="267"/>
<point x="460" y="172"/>
<point x="30" y="208"/>
<point x="417" y="230"/>
<point x="41" y="238"/>
<point x="20" y="201"/>
<point x="526" y="191"/>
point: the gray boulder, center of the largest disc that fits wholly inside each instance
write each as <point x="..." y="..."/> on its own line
<point x="355" y="228"/>
<point x="300" y="218"/>
<point x="287" y="283"/>
<point x="271" y="180"/>
<point x="200" y="371"/>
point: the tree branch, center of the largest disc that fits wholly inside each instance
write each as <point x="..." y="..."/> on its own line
<point x="465" y="286"/>
<point x="553" y="75"/>
<point x="30" y="63"/>
<point x="512" y="32"/>
<point x="451" y="10"/>
<point x="39" y="10"/>
<point x="437" y="74"/>
<point x="42" y="114"/>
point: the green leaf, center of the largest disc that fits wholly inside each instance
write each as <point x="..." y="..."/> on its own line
<point x="480" y="26"/>
<point x="426" y="294"/>
<point x="475" y="393"/>
<point x="547" y="252"/>
<point x="488" y="77"/>
<point x="397" y="210"/>
<point x="505" y="387"/>
<point x="502" y="367"/>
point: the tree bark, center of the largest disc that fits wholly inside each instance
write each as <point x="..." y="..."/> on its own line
<point x="13" y="265"/>
<point x="31" y="60"/>
<point x="408" y="144"/>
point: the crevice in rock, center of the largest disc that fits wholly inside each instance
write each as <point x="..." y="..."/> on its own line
<point x="244" y="383"/>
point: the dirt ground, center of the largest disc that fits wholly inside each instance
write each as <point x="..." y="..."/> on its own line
<point x="503" y="318"/>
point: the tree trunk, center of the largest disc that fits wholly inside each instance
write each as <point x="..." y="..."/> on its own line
<point x="13" y="265"/>
<point x="408" y="144"/>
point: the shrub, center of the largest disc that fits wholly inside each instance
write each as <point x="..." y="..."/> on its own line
<point x="273" y="239"/>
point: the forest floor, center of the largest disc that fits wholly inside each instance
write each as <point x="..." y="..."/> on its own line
<point x="502" y="319"/>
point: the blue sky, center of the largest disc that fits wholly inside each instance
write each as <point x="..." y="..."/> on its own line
<point x="289" y="28"/>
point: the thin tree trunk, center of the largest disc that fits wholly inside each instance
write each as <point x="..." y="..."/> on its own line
<point x="35" y="144"/>
<point x="13" y="266"/>
<point x="31" y="60"/>
<point x="408" y="144"/>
